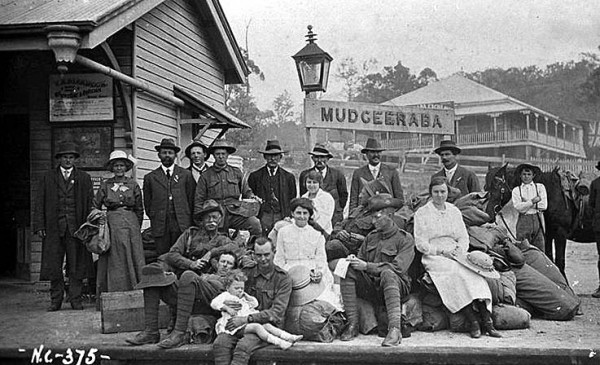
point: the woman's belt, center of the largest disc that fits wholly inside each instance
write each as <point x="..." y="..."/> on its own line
<point x="119" y="208"/>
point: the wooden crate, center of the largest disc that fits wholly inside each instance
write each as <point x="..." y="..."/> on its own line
<point x="124" y="312"/>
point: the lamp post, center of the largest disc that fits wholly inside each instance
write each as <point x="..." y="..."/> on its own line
<point x="312" y="64"/>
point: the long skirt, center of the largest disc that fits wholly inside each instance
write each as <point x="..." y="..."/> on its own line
<point x="120" y="269"/>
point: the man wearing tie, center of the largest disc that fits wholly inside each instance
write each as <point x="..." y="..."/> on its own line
<point x="375" y="169"/>
<point x="334" y="181"/>
<point x="275" y="186"/>
<point x="457" y="176"/>
<point x="168" y="197"/>
<point x="63" y="202"/>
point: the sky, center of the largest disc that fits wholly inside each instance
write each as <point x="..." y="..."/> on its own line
<point x="446" y="36"/>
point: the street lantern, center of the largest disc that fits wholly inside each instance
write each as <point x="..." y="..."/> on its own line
<point x="312" y="64"/>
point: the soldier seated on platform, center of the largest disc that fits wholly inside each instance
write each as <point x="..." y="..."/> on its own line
<point x="379" y="272"/>
<point x="185" y="277"/>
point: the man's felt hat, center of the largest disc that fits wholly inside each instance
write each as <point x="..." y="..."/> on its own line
<point x="210" y="206"/>
<point x="372" y="145"/>
<point x="167" y="143"/>
<point x="382" y="201"/>
<point x="320" y="151"/>
<point x="273" y="148"/>
<point x="154" y="275"/>
<point x="525" y="166"/>
<point x="221" y="144"/>
<point x="448" y="145"/>
<point x="478" y="262"/>
<point x="303" y="289"/>
<point x="67" y="148"/>
<point x="598" y="165"/>
<point x="188" y="149"/>
<point x="117" y="155"/>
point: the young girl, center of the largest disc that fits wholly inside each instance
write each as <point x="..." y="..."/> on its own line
<point x="234" y="283"/>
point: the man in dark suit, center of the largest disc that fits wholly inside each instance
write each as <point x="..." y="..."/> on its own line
<point x="274" y="185"/>
<point x="458" y="177"/>
<point x="63" y="202"/>
<point x="197" y="153"/>
<point x="375" y="169"/>
<point x="168" y="197"/>
<point x="334" y="181"/>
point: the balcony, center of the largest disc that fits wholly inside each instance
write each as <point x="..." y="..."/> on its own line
<point x="519" y="135"/>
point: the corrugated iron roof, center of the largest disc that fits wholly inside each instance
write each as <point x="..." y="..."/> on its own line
<point x="453" y="88"/>
<point x="469" y="98"/>
<point x="40" y="12"/>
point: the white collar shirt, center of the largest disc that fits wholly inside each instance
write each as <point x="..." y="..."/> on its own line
<point x="375" y="170"/>
<point x="524" y="193"/>
<point x="450" y="172"/>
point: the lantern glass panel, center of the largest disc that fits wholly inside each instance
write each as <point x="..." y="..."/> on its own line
<point x="325" y="74"/>
<point x="311" y="73"/>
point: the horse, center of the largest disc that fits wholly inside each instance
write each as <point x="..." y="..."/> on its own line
<point x="559" y="217"/>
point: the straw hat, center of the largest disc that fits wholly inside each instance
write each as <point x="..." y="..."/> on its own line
<point x="372" y="145"/>
<point x="120" y="156"/>
<point x="320" y="151"/>
<point x="154" y="275"/>
<point x="273" y="148"/>
<point x="167" y="143"/>
<point x="447" y="145"/>
<point x="303" y="289"/>
<point x="66" y="148"/>
<point x="478" y="262"/>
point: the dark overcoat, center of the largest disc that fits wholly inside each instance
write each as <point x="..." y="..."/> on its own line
<point x="287" y="188"/>
<point x="335" y="184"/>
<point x="156" y="198"/>
<point x="45" y="216"/>
<point x="386" y="172"/>
<point x="463" y="179"/>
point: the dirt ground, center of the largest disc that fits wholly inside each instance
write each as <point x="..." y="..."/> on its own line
<point x="25" y="324"/>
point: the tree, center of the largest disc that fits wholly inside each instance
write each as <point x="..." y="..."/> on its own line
<point x="352" y="75"/>
<point x="390" y="83"/>
<point x="283" y="108"/>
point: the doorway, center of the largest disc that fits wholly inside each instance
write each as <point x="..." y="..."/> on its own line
<point x="15" y="197"/>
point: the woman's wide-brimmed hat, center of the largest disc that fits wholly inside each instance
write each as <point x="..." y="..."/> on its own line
<point x="67" y="148"/>
<point x="154" y="275"/>
<point x="222" y="144"/>
<point x="167" y="143"/>
<point x="273" y="148"/>
<point x="448" y="145"/>
<point x="478" y="262"/>
<point x="372" y="145"/>
<point x="303" y="289"/>
<point x="120" y="156"/>
<point x="320" y="151"/>
<point x="188" y="149"/>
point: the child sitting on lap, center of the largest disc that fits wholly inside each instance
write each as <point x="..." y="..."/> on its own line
<point x="235" y="292"/>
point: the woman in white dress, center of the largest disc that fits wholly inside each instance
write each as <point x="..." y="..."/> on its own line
<point x="299" y="243"/>
<point x="439" y="233"/>
<point x="322" y="201"/>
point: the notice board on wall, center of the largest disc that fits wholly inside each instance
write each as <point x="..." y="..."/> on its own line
<point x="94" y="143"/>
<point x="81" y="97"/>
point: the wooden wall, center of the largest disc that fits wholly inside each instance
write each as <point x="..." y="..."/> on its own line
<point x="41" y="128"/>
<point x="171" y="48"/>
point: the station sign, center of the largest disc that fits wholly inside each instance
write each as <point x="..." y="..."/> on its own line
<point x="428" y="119"/>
